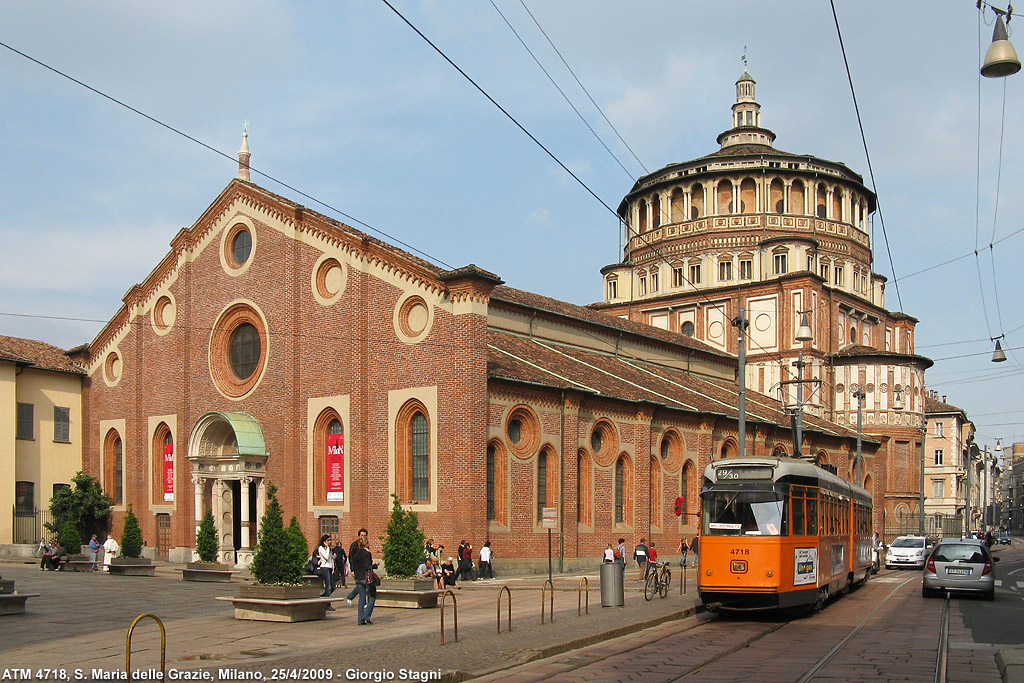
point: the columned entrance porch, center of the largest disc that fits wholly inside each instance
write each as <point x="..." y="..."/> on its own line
<point x="229" y="456"/>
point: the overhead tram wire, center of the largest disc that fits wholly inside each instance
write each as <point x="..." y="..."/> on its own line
<point x="562" y="92"/>
<point x="864" y="141"/>
<point x="583" y="87"/>
<point x="213" y="149"/>
<point x="547" y="151"/>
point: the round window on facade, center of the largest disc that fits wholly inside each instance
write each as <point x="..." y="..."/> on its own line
<point x="596" y="441"/>
<point x="688" y="328"/>
<point x="244" y="351"/>
<point x="605" y="442"/>
<point x="523" y="431"/>
<point x="241" y="246"/>
<point x="238" y="350"/>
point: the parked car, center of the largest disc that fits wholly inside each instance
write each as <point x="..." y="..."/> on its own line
<point x="960" y="565"/>
<point x="1003" y="538"/>
<point x="907" y="551"/>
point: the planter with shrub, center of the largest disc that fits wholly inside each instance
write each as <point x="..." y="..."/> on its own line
<point x="131" y="562"/>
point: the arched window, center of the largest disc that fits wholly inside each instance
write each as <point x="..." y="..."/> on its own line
<point x="724" y="198"/>
<point x="497" y="483"/>
<point x="655" y="212"/>
<point x="677" y="206"/>
<point x="797" y="203"/>
<point x="623" y="490"/>
<point x="688" y="328"/>
<point x="490" y="481"/>
<point x="748" y="196"/>
<point x="777" y="198"/>
<point x="328" y="459"/>
<point x="542" y="483"/>
<point x="585" y="491"/>
<point x="779" y="452"/>
<point x="656" y="511"/>
<point x="688" y="490"/>
<point x="642" y="210"/>
<point x="413" y="453"/>
<point x="420" y="457"/>
<point x="730" y="449"/>
<point x="162" y="464"/>
<point x="697" y="201"/>
<point x="113" y="466"/>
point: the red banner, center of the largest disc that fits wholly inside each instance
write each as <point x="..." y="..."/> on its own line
<point x="168" y="472"/>
<point x="335" y="467"/>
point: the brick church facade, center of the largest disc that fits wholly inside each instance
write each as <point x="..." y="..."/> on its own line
<point x="274" y="344"/>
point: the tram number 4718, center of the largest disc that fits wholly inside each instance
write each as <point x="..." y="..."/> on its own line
<point x="740" y="551"/>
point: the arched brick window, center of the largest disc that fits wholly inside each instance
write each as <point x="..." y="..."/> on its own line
<point x="730" y="449"/>
<point x="327" y="423"/>
<point x="623" y="490"/>
<point x="413" y="456"/>
<point x="497" y="483"/>
<point x="688" y="490"/>
<point x="656" y="498"/>
<point x="547" y="480"/>
<point x="779" y="452"/>
<point x="585" y="490"/>
<point x="163" y="440"/>
<point x="113" y="466"/>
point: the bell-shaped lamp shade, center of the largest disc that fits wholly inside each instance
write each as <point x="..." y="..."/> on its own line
<point x="804" y="333"/>
<point x="897" y="400"/>
<point x="998" y="356"/>
<point x="1001" y="59"/>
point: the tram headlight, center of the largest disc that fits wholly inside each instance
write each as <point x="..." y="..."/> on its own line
<point x="770" y="572"/>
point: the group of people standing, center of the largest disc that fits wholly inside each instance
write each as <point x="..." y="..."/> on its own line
<point x="646" y="556"/>
<point x="333" y="565"/>
<point x="446" y="573"/>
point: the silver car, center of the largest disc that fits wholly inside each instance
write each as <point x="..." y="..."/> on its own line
<point x="907" y="551"/>
<point x="960" y="565"/>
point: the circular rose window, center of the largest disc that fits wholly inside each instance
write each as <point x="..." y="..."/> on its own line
<point x="238" y="350"/>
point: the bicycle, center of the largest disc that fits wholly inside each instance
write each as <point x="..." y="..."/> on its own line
<point x="658" y="581"/>
<point x="41" y="548"/>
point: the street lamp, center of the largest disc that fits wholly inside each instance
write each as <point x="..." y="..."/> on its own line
<point x="803" y="334"/>
<point x="1000" y="59"/>
<point x="740" y="322"/>
<point x="859" y="395"/>
<point x="998" y="356"/>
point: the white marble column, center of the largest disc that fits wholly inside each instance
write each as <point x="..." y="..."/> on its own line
<point x="197" y="484"/>
<point x="245" y="512"/>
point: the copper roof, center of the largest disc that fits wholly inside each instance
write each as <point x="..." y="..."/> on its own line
<point x="36" y="354"/>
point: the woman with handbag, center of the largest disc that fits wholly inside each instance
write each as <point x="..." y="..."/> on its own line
<point x="366" y="580"/>
<point x="325" y="566"/>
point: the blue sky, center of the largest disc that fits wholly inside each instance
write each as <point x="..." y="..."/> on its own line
<point x="346" y="103"/>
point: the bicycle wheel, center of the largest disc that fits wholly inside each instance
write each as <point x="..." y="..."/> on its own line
<point x="651" y="586"/>
<point x="37" y="551"/>
<point x="666" y="580"/>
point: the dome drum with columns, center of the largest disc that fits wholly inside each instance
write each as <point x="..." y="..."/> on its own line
<point x="777" y="235"/>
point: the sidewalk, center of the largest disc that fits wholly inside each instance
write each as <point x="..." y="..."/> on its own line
<point x="80" y="621"/>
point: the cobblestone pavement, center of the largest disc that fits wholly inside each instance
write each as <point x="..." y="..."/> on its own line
<point x="80" y="621"/>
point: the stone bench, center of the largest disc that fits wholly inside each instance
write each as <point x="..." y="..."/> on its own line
<point x="389" y="597"/>
<point x="206" y="575"/>
<point x="14" y="603"/>
<point x="77" y="566"/>
<point x="132" y="569"/>
<point x="313" y="580"/>
<point x="262" y="609"/>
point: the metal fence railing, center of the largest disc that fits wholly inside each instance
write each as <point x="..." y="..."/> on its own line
<point x="30" y="525"/>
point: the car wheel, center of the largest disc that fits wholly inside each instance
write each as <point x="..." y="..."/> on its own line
<point x="926" y="592"/>
<point x="991" y="595"/>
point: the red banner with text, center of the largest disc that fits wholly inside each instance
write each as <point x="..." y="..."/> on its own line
<point x="335" y="467"/>
<point x="168" y="472"/>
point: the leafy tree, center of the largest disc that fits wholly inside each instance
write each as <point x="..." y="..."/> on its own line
<point x="403" y="548"/>
<point x="70" y="539"/>
<point x="299" y="546"/>
<point x="84" y="504"/>
<point x="206" y="539"/>
<point x="275" y="562"/>
<point x="131" y="537"/>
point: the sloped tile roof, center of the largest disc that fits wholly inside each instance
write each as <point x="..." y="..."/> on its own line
<point x="37" y="354"/>
<point x="543" y="363"/>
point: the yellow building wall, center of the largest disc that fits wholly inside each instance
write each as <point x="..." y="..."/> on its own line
<point x="7" y="449"/>
<point x="41" y="460"/>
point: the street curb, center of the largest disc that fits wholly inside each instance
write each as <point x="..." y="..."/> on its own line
<point x="458" y="676"/>
<point x="1011" y="664"/>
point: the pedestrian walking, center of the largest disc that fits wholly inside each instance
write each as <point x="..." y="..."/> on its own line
<point x="486" y="571"/>
<point x="340" y="564"/>
<point x="364" y="534"/>
<point x="620" y="556"/>
<point x="683" y="548"/>
<point x="693" y="549"/>
<point x="362" y="561"/>
<point x="640" y="555"/>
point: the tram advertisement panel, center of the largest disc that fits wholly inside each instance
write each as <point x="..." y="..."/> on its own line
<point x="805" y="561"/>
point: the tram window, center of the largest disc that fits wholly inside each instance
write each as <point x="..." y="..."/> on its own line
<point x="798" y="516"/>
<point x="812" y="516"/>
<point x="746" y="513"/>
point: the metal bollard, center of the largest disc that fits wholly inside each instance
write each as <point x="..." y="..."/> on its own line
<point x="455" y="606"/>
<point x="542" y="591"/>
<point x="584" y="583"/>
<point x="682" y="584"/>
<point x="163" y="645"/>
<point x="504" y="589"/>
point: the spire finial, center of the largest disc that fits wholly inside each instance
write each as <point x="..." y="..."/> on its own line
<point x="744" y="57"/>
<point x="243" y="153"/>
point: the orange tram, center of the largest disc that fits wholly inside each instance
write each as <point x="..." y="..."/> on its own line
<point x="780" y="533"/>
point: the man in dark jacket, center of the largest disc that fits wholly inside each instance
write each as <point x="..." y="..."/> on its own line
<point x="363" y="533"/>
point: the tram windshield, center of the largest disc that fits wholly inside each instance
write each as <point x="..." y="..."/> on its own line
<point x="745" y="513"/>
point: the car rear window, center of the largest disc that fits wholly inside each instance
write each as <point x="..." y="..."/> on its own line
<point x="908" y="543"/>
<point x="959" y="552"/>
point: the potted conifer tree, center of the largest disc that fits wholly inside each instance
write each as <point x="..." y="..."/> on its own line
<point x="403" y="553"/>
<point x="131" y="562"/>
<point x="207" y="568"/>
<point x="277" y="593"/>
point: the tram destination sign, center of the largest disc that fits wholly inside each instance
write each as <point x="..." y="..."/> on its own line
<point x="742" y="473"/>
